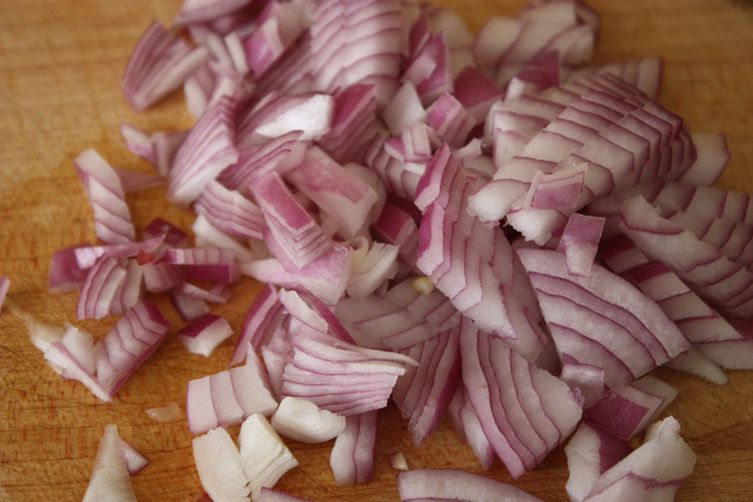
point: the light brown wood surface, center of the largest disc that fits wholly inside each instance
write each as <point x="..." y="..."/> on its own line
<point x="60" y="68"/>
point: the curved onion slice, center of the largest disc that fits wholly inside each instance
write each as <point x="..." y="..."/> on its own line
<point x="454" y="484"/>
<point x="372" y="266"/>
<point x="523" y="421"/>
<point x="159" y="64"/>
<point x="713" y="157"/>
<point x="188" y="307"/>
<point x="230" y="211"/>
<point x="99" y="295"/>
<point x="354" y="123"/>
<point x="352" y="457"/>
<point x="338" y="193"/>
<point x="105" y="190"/>
<point x="696" y="362"/>
<point x="303" y="421"/>
<point x="265" y="457"/>
<point x="262" y="318"/>
<point x="220" y="467"/>
<point x="471" y="263"/>
<point x="227" y="397"/>
<point x="658" y="468"/>
<point x="703" y="326"/>
<point x="267" y="495"/>
<point x="580" y="241"/>
<point x="450" y="120"/>
<point x="425" y="391"/>
<point x="588" y="379"/>
<point x="132" y="340"/>
<point x="644" y="74"/>
<point x="626" y="411"/>
<point x="590" y="453"/>
<point x="110" y="479"/>
<point x="404" y="109"/>
<point x="203" y="334"/>
<point x="167" y="413"/>
<point x="601" y="320"/>
<point x="722" y="282"/>
<point x="466" y="424"/>
<point x="207" y="150"/>
<point x="215" y="265"/>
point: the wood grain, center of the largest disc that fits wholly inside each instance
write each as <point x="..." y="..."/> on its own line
<point x="60" y="67"/>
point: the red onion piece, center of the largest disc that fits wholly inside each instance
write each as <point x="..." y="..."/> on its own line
<point x="525" y="421"/>
<point x="261" y="319"/>
<point x="309" y="113"/>
<point x="454" y="484"/>
<point x="87" y="256"/>
<point x="352" y="457"/>
<point x="100" y="292"/>
<point x="303" y="421"/>
<point x="398" y="461"/>
<point x="471" y="263"/>
<point x="203" y="334"/>
<point x="696" y="362"/>
<point x="429" y="69"/>
<point x="721" y="282"/>
<point x="580" y="241"/>
<point x="67" y="365"/>
<point x="399" y="176"/>
<point x="660" y="465"/>
<point x="278" y="25"/>
<point x="267" y="495"/>
<point x="450" y="120"/>
<point x="188" y="307"/>
<point x="341" y="377"/>
<point x="204" y="264"/>
<point x="588" y="379"/>
<point x="228" y="397"/>
<point x="626" y="411"/>
<point x="168" y="233"/>
<point x="161" y="277"/>
<point x="541" y="72"/>
<point x="476" y="92"/>
<point x="159" y="64"/>
<point x="590" y="453"/>
<point x="425" y="391"/>
<point x="465" y="422"/>
<point x="265" y="457"/>
<point x="80" y="345"/>
<point x="230" y="212"/>
<point x="714" y="335"/>
<point x="399" y="319"/>
<point x="209" y="236"/>
<point x="195" y="11"/>
<point x="344" y="197"/>
<point x="4" y="286"/>
<point x="397" y="227"/>
<point x="371" y="267"/>
<point x="404" y="109"/>
<point x="138" y="143"/>
<point x="135" y="461"/>
<point x="207" y="150"/>
<point x="601" y="320"/>
<point x="65" y="274"/>
<point x="132" y="340"/>
<point x="165" y="414"/>
<point x="134" y="181"/>
<point x="110" y="479"/>
<point x="644" y="74"/>
<point x="107" y="198"/>
<point x="354" y="123"/>
<point x="220" y="466"/>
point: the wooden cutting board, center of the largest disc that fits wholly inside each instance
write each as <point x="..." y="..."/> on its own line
<point x="60" y="68"/>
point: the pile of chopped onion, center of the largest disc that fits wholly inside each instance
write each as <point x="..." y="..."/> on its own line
<point x="478" y="227"/>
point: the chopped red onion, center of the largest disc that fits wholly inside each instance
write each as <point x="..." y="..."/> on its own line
<point x="168" y="233"/>
<point x="580" y="241"/>
<point x="371" y="267"/>
<point x="398" y="319"/>
<point x="454" y="484"/>
<point x="66" y="364"/>
<point x="538" y="74"/>
<point x="230" y="212"/>
<point x="429" y="69"/>
<point x="303" y="421"/>
<point x="344" y="197"/>
<point x="590" y="453"/>
<point x="398" y="461"/>
<point x="165" y="414"/>
<point x="203" y="334"/>
<point x="450" y="120"/>
<point x="626" y="411"/>
<point x="476" y="92"/>
<point x="196" y="11"/>
<point x="714" y="335"/>
<point x="397" y="227"/>
<point x="207" y="150"/>
<point x="354" y="123"/>
<point x="4" y="286"/>
<point x="589" y="380"/>
<point x="135" y="461"/>
<point x="65" y="274"/>
<point x="204" y="264"/>
<point x="138" y="143"/>
<point x="110" y="479"/>
<point x="404" y="109"/>
<point x="262" y="318"/>
<point x="660" y="466"/>
<point x="265" y="457"/>
<point x="209" y="236"/>
<point x="107" y="198"/>
<point x="161" y="277"/>
<point x="644" y="74"/>
<point x="601" y="320"/>
<point x="80" y="345"/>
<point x="134" y="181"/>
<point x="524" y="421"/>
<point x="278" y="25"/>
<point x="696" y="362"/>
<point x="352" y="457"/>
<point x="471" y="263"/>
<point x="99" y="294"/>
<point x="720" y="281"/>
<point x="310" y="114"/>
<point x="424" y="392"/>
<point x="159" y="64"/>
<point x="220" y="467"/>
<point x="465" y="421"/>
<point x="132" y="340"/>
<point x="188" y="307"/>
